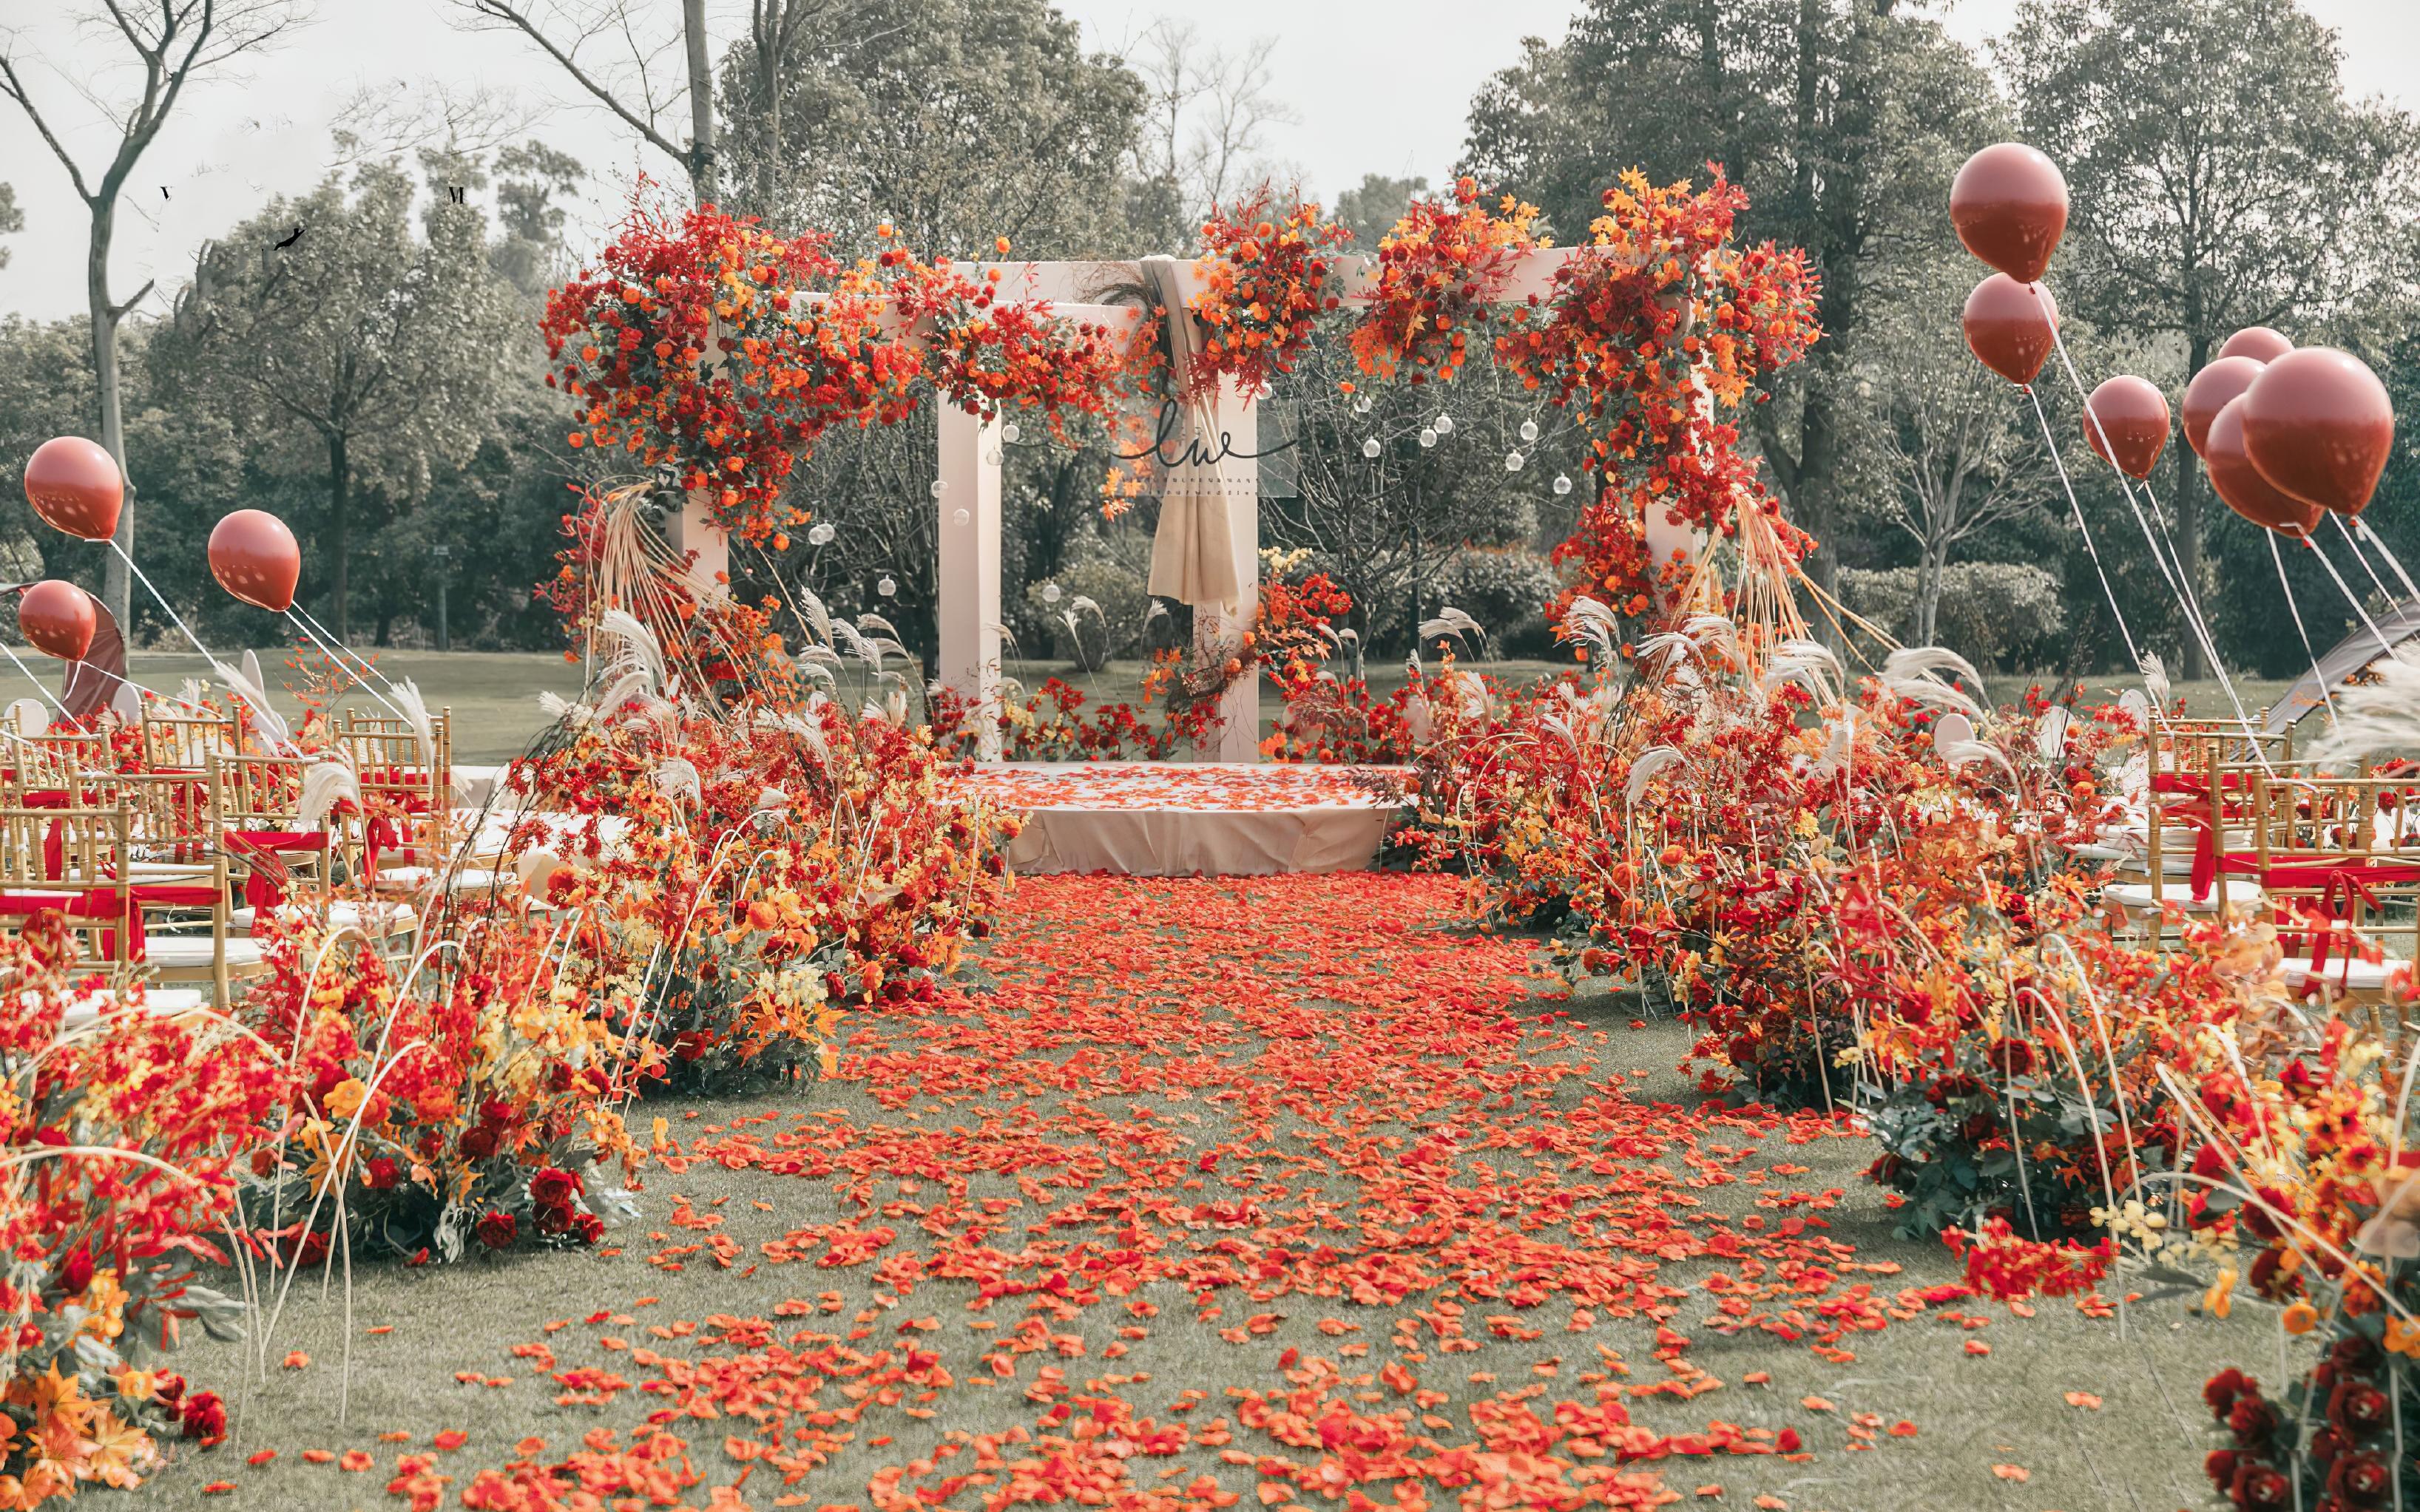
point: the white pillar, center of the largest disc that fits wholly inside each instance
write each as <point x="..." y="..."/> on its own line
<point x="691" y="531"/>
<point x="967" y="588"/>
<point x="1237" y="735"/>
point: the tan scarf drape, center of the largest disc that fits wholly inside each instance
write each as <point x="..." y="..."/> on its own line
<point x="1193" y="552"/>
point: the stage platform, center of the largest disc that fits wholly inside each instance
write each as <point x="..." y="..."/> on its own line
<point x="1167" y="819"/>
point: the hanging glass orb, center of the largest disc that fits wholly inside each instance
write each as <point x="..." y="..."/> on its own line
<point x="885" y="587"/>
<point x="1371" y="448"/>
<point x="1428" y="438"/>
<point x="821" y="535"/>
<point x="1011" y="433"/>
<point x="1050" y="593"/>
<point x="1563" y="483"/>
<point x="1361" y="405"/>
<point x="1512" y="461"/>
<point x="991" y="456"/>
<point x="1528" y="431"/>
<point x="941" y="487"/>
<point x="1445" y="424"/>
<point x="959" y="517"/>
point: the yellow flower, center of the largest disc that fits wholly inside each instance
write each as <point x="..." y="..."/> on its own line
<point x="2219" y="1299"/>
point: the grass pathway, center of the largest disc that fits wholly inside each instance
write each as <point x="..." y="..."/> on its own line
<point x="1213" y="1193"/>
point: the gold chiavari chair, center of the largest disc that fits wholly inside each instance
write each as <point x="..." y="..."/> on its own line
<point x="2339" y="859"/>
<point x="71" y="861"/>
<point x="408" y="839"/>
<point x="51" y="768"/>
<point x="184" y="742"/>
<point x="286" y="861"/>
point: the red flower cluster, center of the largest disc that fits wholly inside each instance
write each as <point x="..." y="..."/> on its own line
<point x="1437" y="271"/>
<point x="1266" y="278"/>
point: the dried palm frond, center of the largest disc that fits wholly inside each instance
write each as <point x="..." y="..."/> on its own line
<point x="1452" y="624"/>
<point x="1917" y="661"/>
<point x="270" y="722"/>
<point x="323" y="784"/>
<point x="818" y="617"/>
<point x="415" y="710"/>
<point x="2155" y="678"/>
<point x="1934" y="694"/>
<point x="1643" y="770"/>
<point x="2382" y="715"/>
<point x="873" y="624"/>
<point x="1585" y="619"/>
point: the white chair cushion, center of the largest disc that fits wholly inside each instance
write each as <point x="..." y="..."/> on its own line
<point x="191" y="952"/>
<point x="388" y="918"/>
<point x="422" y="878"/>
<point x="2241" y="895"/>
<point x="2351" y="974"/>
<point x="165" y="1001"/>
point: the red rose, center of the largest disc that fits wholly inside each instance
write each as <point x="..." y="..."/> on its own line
<point x="554" y="1188"/>
<point x="2355" y="1406"/>
<point x="2220" y="1467"/>
<point x="498" y="1230"/>
<point x="588" y="1226"/>
<point x="202" y="1416"/>
<point x="2222" y="1389"/>
<point x="75" y="1271"/>
<point x="2257" y="1486"/>
<point x="2361" y="1479"/>
<point x="2014" y="1057"/>
<point x="477" y="1144"/>
<point x="2251" y="1420"/>
<point x="383" y="1173"/>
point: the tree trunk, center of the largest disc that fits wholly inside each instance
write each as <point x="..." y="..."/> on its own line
<point x="2187" y="501"/>
<point x="340" y="503"/>
<point x="117" y="585"/>
<point x="700" y="102"/>
<point x="1929" y="568"/>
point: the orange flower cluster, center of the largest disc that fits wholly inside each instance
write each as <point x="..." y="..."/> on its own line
<point x="125" y="1131"/>
<point x="703" y="346"/>
<point x="1654" y="327"/>
<point x="983" y="352"/>
<point x="1437" y="271"/>
<point x="1266" y="278"/>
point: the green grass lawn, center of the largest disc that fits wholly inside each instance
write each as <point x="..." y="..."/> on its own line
<point x="2138" y="1448"/>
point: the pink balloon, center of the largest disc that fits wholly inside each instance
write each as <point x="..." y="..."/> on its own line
<point x="2258" y="342"/>
<point x="2009" y="206"/>
<point x="2127" y="422"/>
<point x="75" y="486"/>
<point x="2239" y="484"/>
<point x="2318" y="426"/>
<point x="2209" y="393"/>
<point x="2009" y="326"/>
<point x="57" y="617"/>
<point x="254" y="556"/>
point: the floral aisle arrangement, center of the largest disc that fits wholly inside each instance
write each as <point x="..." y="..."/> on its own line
<point x="127" y="1130"/>
<point x="1437" y="271"/>
<point x="1654" y="328"/>
<point x="1268" y="276"/>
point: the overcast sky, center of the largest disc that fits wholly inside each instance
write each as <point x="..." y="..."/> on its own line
<point x="1376" y="86"/>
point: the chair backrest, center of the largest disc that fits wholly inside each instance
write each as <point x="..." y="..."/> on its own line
<point x="168" y="815"/>
<point x="53" y="762"/>
<point x="255" y="791"/>
<point x="77" y="851"/>
<point x="184" y="742"/>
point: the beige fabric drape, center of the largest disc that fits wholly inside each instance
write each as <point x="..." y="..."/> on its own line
<point x="1193" y="552"/>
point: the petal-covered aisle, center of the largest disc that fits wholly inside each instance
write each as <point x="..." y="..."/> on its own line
<point x="1292" y="1191"/>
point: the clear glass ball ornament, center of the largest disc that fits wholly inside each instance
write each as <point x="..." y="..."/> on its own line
<point x="941" y="487"/>
<point x="1361" y="405"/>
<point x="959" y="517"/>
<point x="1050" y="593"/>
<point x="822" y="535"/>
<point x="1012" y="433"/>
<point x="1528" y="431"/>
<point x="885" y="587"/>
<point x="1563" y="483"/>
<point x="1445" y="424"/>
<point x="1512" y="461"/>
<point x="1428" y="437"/>
<point x="1370" y="447"/>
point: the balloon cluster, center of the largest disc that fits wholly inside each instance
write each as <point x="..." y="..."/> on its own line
<point x="2288" y="433"/>
<point x="75" y="486"/>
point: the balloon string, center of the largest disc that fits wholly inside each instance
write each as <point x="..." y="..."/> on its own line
<point x="2350" y="540"/>
<point x="2316" y="676"/>
<point x="2085" y="531"/>
<point x="174" y="617"/>
<point x="2346" y="589"/>
<point x="2361" y="527"/>
<point x="336" y="646"/>
<point x="334" y="656"/>
<point x="2174" y="580"/>
<point x="39" y="686"/>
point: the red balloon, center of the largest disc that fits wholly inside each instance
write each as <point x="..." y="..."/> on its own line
<point x="2208" y="393"/>
<point x="2258" y="342"/>
<point x="2132" y="416"/>
<point x="2009" y="325"/>
<point x="75" y="486"/>
<point x="2242" y="485"/>
<point x="2318" y="426"/>
<point x="57" y="618"/>
<point x="253" y="555"/>
<point x="2009" y="206"/>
